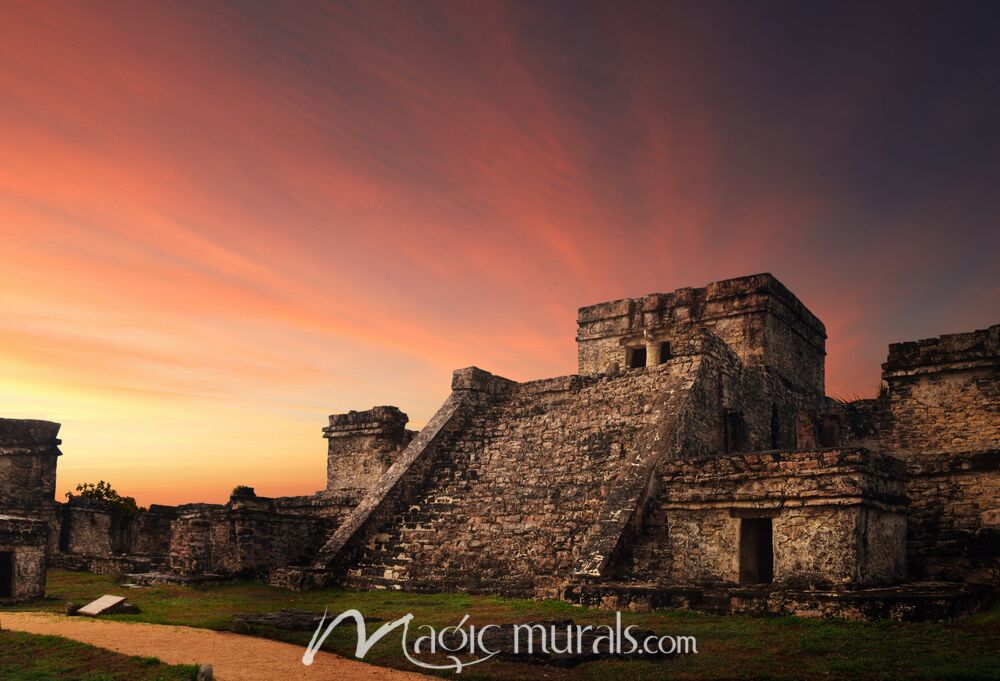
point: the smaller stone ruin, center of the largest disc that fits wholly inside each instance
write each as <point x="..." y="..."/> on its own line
<point x="28" y="453"/>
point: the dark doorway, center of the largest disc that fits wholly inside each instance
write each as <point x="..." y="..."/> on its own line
<point x="636" y="357"/>
<point x="6" y="574"/>
<point x="756" y="551"/>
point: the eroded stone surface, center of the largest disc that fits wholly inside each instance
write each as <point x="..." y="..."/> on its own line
<point x="695" y="449"/>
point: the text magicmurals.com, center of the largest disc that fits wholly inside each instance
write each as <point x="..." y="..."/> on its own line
<point x="466" y="644"/>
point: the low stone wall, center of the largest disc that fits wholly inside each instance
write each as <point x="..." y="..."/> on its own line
<point x="91" y="528"/>
<point x="108" y="565"/>
<point x="151" y="531"/>
<point x="246" y="537"/>
<point x="331" y="505"/>
<point x="87" y="527"/>
<point x="906" y="603"/>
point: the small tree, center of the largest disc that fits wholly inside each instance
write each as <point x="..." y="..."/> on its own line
<point x="104" y="493"/>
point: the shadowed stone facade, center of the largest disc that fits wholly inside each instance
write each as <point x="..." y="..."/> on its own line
<point x="28" y="454"/>
<point x="941" y="415"/>
<point x="694" y="461"/>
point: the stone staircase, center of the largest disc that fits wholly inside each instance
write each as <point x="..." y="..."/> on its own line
<point x="516" y="493"/>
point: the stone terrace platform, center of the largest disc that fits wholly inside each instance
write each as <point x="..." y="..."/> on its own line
<point x="913" y="602"/>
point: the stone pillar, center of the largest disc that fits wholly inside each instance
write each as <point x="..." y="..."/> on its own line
<point x="363" y="444"/>
<point x="653" y="353"/>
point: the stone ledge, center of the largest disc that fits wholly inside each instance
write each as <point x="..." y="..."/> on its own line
<point x="478" y="380"/>
<point x="949" y="463"/>
<point x="29" y="432"/>
<point x="954" y="351"/>
<point x="375" y="420"/>
<point x="912" y="602"/>
<point x="23" y="531"/>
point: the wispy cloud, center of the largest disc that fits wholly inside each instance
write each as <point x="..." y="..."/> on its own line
<point x="219" y="222"/>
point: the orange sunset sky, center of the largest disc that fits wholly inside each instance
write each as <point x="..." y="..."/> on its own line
<point x="221" y="222"/>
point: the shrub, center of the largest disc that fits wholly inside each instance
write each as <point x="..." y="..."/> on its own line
<point x="243" y="491"/>
<point x="105" y="494"/>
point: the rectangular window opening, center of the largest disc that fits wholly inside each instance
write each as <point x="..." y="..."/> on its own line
<point x="665" y="353"/>
<point x="756" y="551"/>
<point x="636" y="357"/>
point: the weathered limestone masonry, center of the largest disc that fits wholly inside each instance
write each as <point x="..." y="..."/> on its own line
<point x="23" y="552"/>
<point x="28" y="454"/>
<point x="693" y="462"/>
<point x="471" y="389"/>
<point x="837" y="518"/>
<point x="696" y="447"/>
<point x="524" y="480"/>
<point x="757" y="317"/>
<point x="942" y="416"/>
<point x="363" y="444"/>
<point x="246" y="537"/>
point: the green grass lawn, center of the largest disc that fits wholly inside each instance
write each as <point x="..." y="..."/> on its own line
<point x="729" y="647"/>
<point x="28" y="657"/>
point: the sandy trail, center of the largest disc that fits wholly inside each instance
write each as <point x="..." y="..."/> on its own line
<point x="234" y="657"/>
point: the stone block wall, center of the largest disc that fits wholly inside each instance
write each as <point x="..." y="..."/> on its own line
<point x="942" y="416"/>
<point x="756" y="316"/>
<point x="838" y="518"/>
<point x="330" y="505"/>
<point x="246" y="537"/>
<point x="90" y="529"/>
<point x="23" y="542"/>
<point x="363" y="444"/>
<point x="943" y="394"/>
<point x="954" y="519"/>
<point x="150" y="532"/>
<point x="29" y="451"/>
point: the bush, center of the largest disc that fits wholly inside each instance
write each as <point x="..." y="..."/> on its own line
<point x="243" y="491"/>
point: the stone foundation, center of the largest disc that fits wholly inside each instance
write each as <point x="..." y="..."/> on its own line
<point x="914" y="602"/>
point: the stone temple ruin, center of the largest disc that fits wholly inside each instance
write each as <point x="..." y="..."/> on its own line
<point x="693" y="461"/>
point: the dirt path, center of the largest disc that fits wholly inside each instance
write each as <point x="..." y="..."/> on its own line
<point x="234" y="657"/>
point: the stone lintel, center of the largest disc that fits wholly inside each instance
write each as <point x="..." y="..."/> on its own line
<point x="17" y="530"/>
